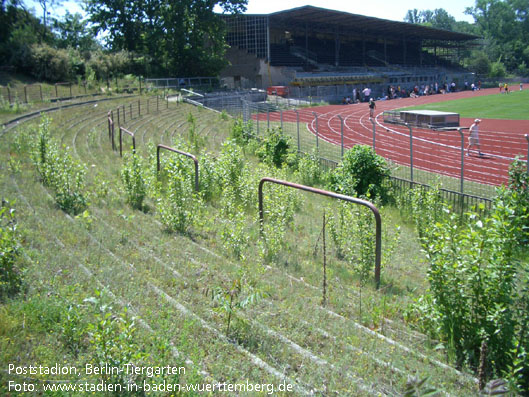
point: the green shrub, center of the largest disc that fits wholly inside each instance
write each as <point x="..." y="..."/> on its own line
<point x="309" y="169"/>
<point x="361" y="173"/>
<point x="274" y="148"/>
<point x="516" y="197"/>
<point x="59" y="171"/>
<point x="180" y="208"/>
<point x="239" y="131"/>
<point x="478" y="290"/>
<point x="133" y="178"/>
<point x="10" y="273"/>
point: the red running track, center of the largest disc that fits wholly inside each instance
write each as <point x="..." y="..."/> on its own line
<point x="435" y="151"/>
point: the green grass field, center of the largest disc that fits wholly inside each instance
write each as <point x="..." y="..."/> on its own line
<point x="514" y="106"/>
<point x="357" y="344"/>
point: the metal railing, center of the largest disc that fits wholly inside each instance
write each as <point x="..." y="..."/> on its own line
<point x="121" y="131"/>
<point x="192" y="157"/>
<point x="376" y="213"/>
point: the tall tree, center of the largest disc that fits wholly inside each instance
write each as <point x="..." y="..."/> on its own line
<point x="73" y="32"/>
<point x="180" y="37"/>
<point x="504" y="24"/>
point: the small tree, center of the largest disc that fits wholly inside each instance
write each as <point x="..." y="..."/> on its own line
<point x="361" y="172"/>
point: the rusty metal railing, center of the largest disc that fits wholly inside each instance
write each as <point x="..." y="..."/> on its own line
<point x="376" y="213"/>
<point x="195" y="160"/>
<point x="111" y="129"/>
<point x="121" y="131"/>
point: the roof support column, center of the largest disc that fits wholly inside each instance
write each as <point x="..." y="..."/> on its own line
<point x="306" y="44"/>
<point x="420" y="52"/>
<point x="404" y="50"/>
<point x="336" y="48"/>
<point x="364" y="50"/>
<point x="268" y="39"/>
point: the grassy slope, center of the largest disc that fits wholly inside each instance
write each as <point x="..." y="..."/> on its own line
<point x="161" y="278"/>
<point x="514" y="106"/>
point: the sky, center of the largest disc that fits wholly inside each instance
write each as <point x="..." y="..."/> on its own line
<point x="386" y="9"/>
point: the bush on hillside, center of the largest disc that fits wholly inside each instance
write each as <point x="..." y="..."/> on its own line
<point x="361" y="173"/>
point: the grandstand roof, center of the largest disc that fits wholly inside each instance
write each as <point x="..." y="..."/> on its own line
<point x="317" y="17"/>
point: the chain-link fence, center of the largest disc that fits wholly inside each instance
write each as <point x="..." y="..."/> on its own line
<point x="416" y="155"/>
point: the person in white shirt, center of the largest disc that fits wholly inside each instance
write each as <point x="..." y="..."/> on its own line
<point x="473" y="139"/>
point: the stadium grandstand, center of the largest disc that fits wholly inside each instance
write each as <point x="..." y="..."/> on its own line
<point x="310" y="46"/>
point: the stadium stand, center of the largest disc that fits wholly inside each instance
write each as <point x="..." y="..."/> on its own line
<point x="336" y="47"/>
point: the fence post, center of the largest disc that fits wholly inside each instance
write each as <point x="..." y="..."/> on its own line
<point x="257" y="117"/>
<point x="119" y="121"/>
<point x="139" y="108"/>
<point x="341" y="131"/>
<point x="411" y="151"/>
<point x="56" y="92"/>
<point x="139" y="79"/>
<point x="297" y="124"/>
<point x="157" y="97"/>
<point x="317" y="137"/>
<point x="268" y="117"/>
<point x="40" y="88"/>
<point x="460" y="130"/>
<point x="9" y="94"/>
<point x="527" y="139"/>
<point x="374" y="133"/>
<point x="281" y="118"/>
<point x="26" y="93"/>
<point x="70" y="90"/>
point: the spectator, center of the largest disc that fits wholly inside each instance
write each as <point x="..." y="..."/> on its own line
<point x="367" y="94"/>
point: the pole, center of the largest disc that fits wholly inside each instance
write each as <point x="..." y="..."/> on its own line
<point x="26" y="93"/>
<point x="527" y="139"/>
<point x="341" y="129"/>
<point x="257" y="117"/>
<point x="297" y="124"/>
<point x="317" y="137"/>
<point x="281" y="118"/>
<point x="460" y="130"/>
<point x="411" y="151"/>
<point x="268" y="117"/>
<point x="374" y="134"/>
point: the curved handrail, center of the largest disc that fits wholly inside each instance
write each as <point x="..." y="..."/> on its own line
<point x="195" y="160"/>
<point x="371" y="206"/>
<point x="121" y="130"/>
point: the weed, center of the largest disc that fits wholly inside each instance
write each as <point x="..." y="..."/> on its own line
<point x="10" y="274"/>
<point x="180" y="208"/>
<point x="240" y="294"/>
<point x="132" y="176"/>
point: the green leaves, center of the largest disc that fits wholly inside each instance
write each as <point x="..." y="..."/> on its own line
<point x="133" y="178"/>
<point x="59" y="171"/>
<point x="10" y="273"/>
<point x="361" y="173"/>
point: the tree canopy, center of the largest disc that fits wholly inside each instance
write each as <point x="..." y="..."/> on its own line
<point x="504" y="26"/>
<point x="177" y="37"/>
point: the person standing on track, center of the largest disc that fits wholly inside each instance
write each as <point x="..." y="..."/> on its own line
<point x="372" y="107"/>
<point x="473" y="139"/>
